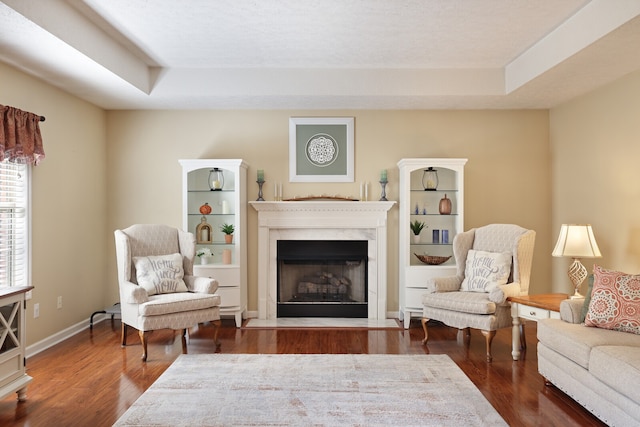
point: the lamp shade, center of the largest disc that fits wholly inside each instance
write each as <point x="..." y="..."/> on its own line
<point x="576" y="241"/>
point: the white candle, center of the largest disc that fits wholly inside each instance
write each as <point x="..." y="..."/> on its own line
<point x="361" y="191"/>
<point x="275" y="191"/>
<point x="366" y="191"/>
<point x="280" y="191"/>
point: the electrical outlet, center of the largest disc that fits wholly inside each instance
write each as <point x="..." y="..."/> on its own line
<point x="59" y="303"/>
<point x="36" y="310"/>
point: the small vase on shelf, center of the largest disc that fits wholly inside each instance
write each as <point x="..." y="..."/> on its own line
<point x="445" y="206"/>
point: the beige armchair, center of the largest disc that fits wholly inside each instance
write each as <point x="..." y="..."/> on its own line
<point x="157" y="286"/>
<point x="498" y="267"/>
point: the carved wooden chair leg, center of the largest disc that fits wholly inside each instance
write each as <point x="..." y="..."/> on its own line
<point x="489" y="336"/>
<point x="463" y="336"/>
<point x="143" y="340"/>
<point x="124" y="335"/>
<point x="424" y="327"/>
<point x="216" y="325"/>
<point x="184" y="341"/>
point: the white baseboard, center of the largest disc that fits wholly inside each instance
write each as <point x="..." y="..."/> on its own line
<point x="58" y="337"/>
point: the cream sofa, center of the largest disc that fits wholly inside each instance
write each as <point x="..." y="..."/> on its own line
<point x="598" y="368"/>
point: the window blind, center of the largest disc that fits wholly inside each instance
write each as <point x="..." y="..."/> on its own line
<point x="14" y="198"/>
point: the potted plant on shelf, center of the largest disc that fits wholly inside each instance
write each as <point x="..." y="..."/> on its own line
<point x="228" y="230"/>
<point x="416" y="227"/>
<point x="205" y="255"/>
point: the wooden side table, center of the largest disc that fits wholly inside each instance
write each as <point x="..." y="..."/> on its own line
<point x="532" y="307"/>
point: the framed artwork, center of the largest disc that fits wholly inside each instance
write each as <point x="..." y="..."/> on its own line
<point x="321" y="149"/>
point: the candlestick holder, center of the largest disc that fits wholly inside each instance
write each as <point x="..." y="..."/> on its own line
<point x="383" y="196"/>
<point x="260" y="184"/>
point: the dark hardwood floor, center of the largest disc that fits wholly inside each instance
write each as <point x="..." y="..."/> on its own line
<point x="89" y="380"/>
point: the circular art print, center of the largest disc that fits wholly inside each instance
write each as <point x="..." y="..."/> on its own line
<point x="321" y="150"/>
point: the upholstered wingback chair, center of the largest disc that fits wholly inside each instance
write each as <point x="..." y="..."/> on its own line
<point x="492" y="262"/>
<point x="157" y="286"/>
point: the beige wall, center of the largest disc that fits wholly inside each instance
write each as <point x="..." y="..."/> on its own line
<point x="595" y="143"/>
<point x="69" y="214"/>
<point x="508" y="175"/>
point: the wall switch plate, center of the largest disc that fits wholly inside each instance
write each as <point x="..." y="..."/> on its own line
<point x="59" y="302"/>
<point x="36" y="310"/>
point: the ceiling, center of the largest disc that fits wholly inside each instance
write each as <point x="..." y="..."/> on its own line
<point x="322" y="54"/>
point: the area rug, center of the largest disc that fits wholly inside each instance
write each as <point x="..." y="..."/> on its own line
<point x="312" y="390"/>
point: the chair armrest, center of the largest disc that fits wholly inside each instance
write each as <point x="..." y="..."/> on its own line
<point x="444" y="284"/>
<point x="201" y="285"/>
<point x="500" y="293"/>
<point x="132" y="293"/>
<point x="571" y="310"/>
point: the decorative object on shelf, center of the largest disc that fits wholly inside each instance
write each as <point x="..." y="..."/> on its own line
<point x="204" y="232"/>
<point x="445" y="236"/>
<point x="228" y="230"/>
<point x="430" y="179"/>
<point x="216" y="179"/>
<point x="205" y="209"/>
<point x="416" y="227"/>
<point x="337" y="198"/>
<point x="260" y="184"/>
<point x="445" y="206"/>
<point x="383" y="183"/>
<point x="576" y="241"/>
<point x="435" y="236"/>
<point x="383" y="195"/>
<point x="277" y="191"/>
<point x="432" y="260"/>
<point x="260" y="177"/>
<point x="204" y="255"/>
<point x="364" y="191"/>
<point x="321" y="149"/>
<point x="226" y="256"/>
<point x="416" y="211"/>
<point x="225" y="207"/>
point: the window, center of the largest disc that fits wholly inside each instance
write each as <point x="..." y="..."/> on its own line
<point x="14" y="230"/>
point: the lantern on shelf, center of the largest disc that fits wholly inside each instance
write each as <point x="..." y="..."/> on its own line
<point x="430" y="179"/>
<point x="216" y="179"/>
<point x="204" y="232"/>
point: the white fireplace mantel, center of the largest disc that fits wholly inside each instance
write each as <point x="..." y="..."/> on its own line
<point x="322" y="220"/>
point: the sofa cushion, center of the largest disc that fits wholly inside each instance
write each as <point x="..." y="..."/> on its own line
<point x="466" y="302"/>
<point x="576" y="341"/>
<point x="615" y="301"/>
<point x="177" y="303"/>
<point x="484" y="271"/>
<point x="160" y="274"/>
<point x="618" y="367"/>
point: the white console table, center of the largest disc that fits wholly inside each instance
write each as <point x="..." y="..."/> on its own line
<point x="13" y="377"/>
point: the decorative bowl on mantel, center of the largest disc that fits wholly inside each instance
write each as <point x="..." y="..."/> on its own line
<point x="432" y="260"/>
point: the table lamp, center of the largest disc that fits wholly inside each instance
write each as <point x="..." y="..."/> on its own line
<point x="576" y="241"/>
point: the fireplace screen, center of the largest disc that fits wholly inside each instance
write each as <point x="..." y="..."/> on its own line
<point x="322" y="278"/>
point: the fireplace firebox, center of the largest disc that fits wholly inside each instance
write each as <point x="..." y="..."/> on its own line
<point x="322" y="278"/>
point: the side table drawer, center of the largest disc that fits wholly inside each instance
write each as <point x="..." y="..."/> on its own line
<point x="532" y="313"/>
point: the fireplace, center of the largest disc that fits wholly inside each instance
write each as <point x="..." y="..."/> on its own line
<point x="322" y="278"/>
<point x="342" y="221"/>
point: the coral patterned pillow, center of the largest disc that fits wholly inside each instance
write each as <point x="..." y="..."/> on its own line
<point x="615" y="301"/>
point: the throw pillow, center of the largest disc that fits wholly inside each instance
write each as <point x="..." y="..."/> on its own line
<point x="484" y="271"/>
<point x="160" y="274"/>
<point x="615" y="301"/>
